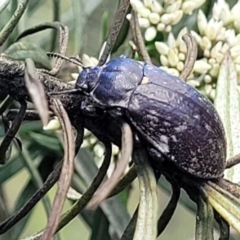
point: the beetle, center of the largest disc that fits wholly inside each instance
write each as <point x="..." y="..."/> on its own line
<point x="178" y="123"/>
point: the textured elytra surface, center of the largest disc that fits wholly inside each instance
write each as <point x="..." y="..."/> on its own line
<point x="180" y="122"/>
<point x="173" y="117"/>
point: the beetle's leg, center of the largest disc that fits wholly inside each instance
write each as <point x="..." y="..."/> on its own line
<point x="169" y="210"/>
<point x="11" y="132"/>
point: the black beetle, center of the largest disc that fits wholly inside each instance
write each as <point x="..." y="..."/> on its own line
<point x="178" y="122"/>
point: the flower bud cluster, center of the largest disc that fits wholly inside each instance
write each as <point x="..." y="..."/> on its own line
<point x="215" y="36"/>
<point x="160" y="17"/>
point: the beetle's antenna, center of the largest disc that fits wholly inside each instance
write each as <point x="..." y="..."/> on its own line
<point x="115" y="29"/>
<point x="74" y="60"/>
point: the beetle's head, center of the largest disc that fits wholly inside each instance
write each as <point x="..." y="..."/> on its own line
<point x="88" y="79"/>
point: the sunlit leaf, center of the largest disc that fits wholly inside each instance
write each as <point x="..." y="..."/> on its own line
<point x="227" y="104"/>
<point x="3" y="4"/>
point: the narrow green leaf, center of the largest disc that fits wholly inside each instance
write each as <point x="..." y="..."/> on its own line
<point x="148" y="205"/>
<point x="100" y="231"/>
<point x="46" y="141"/>
<point x="227" y="104"/>
<point x="10" y="168"/>
<point x="22" y="50"/>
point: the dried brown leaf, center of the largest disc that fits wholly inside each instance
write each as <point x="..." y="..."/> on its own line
<point x="36" y="91"/>
<point x="66" y="173"/>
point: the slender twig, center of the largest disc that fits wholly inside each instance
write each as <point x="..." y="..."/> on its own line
<point x="126" y="152"/>
<point x="138" y="39"/>
<point x="67" y="170"/>
<point x="233" y="161"/>
<point x="115" y="29"/>
<point x="9" y="27"/>
<point x="191" y="56"/>
<point x="12" y="131"/>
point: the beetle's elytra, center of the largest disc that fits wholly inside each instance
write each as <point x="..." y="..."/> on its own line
<point x="178" y="122"/>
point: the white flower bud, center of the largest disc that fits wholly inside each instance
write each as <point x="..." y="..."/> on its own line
<point x="237" y="24"/>
<point x="214" y="70"/>
<point x="225" y="48"/>
<point x="89" y="61"/>
<point x="188" y="7"/>
<point x="213" y="29"/>
<point x="148" y="3"/>
<point x="181" y="56"/>
<point x="161" y="27"/>
<point x="201" y="66"/>
<point x="231" y="37"/>
<point x="235" y="51"/>
<point x="92" y="140"/>
<point x="178" y="17"/>
<point x="205" y="43"/>
<point x="207" y="78"/>
<point x="180" y="66"/>
<point x="172" y="57"/>
<point x="172" y="71"/>
<point x="219" y="57"/>
<point x="216" y="11"/>
<point x="136" y="4"/>
<point x="235" y="14"/>
<point x="173" y="7"/>
<point x="171" y="42"/>
<point x="53" y="124"/>
<point x="237" y="60"/>
<point x="202" y="22"/>
<point x="206" y="53"/>
<point x="162" y="48"/>
<point x="115" y="150"/>
<point x="143" y="22"/>
<point x="167" y="18"/>
<point x="221" y="34"/>
<point x="208" y="88"/>
<point x="212" y="61"/>
<point x="216" y="49"/>
<point x="75" y="77"/>
<point x="98" y="150"/>
<point x="164" y="60"/>
<point x="196" y="36"/>
<point x="212" y="94"/>
<point x="237" y="67"/>
<point x="150" y="33"/>
<point x="169" y="2"/>
<point x="168" y="28"/>
<point x="179" y="39"/>
<point x="154" y="18"/>
<point x="144" y="12"/>
<point x="156" y="7"/>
